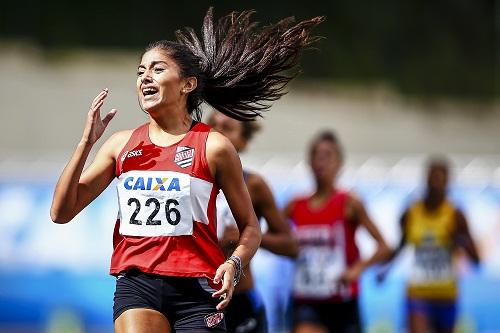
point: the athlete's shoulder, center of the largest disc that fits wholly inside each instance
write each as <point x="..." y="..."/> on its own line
<point x="352" y="198"/>
<point x="120" y="138"/>
<point x="259" y="189"/>
<point x="255" y="181"/>
<point x="416" y="205"/>
<point x="296" y="203"/>
<point x="115" y="143"/>
<point x="349" y="195"/>
<point x="450" y="205"/>
<point x="220" y="153"/>
<point x="218" y="143"/>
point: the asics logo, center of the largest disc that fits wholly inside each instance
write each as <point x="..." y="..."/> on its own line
<point x="132" y="153"/>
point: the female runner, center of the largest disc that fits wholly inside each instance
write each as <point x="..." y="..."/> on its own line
<point x="327" y="270"/>
<point x="171" y="273"/>
<point x="435" y="228"/>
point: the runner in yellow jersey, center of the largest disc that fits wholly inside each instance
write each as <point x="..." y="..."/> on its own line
<point x="434" y="228"/>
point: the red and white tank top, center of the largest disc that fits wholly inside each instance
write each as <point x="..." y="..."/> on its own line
<point x="327" y="249"/>
<point x="166" y="223"/>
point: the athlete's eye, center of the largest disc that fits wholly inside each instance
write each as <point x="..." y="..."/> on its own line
<point x="140" y="72"/>
<point x="159" y="69"/>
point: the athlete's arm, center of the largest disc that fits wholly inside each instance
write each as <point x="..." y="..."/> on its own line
<point x="225" y="166"/>
<point x="287" y="211"/>
<point x="393" y="253"/>
<point x="278" y="239"/>
<point x="360" y="216"/>
<point x="229" y="239"/>
<point x="75" y="191"/>
<point x="402" y="242"/>
<point x="463" y="238"/>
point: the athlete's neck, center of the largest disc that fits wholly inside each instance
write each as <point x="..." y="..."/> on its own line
<point x="321" y="195"/>
<point x="434" y="199"/>
<point x="324" y="190"/>
<point x="174" y="121"/>
<point x="165" y="131"/>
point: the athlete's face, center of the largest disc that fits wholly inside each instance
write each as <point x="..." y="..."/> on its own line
<point x="325" y="161"/>
<point x="159" y="82"/>
<point x="437" y="179"/>
<point x="230" y="128"/>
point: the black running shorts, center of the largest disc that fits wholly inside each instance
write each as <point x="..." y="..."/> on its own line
<point x="340" y="317"/>
<point x="186" y="302"/>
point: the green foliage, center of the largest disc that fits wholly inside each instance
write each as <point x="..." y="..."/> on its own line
<point x="422" y="47"/>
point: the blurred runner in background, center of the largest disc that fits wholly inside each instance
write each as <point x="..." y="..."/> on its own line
<point x="326" y="279"/>
<point x="246" y="312"/>
<point x="434" y="227"/>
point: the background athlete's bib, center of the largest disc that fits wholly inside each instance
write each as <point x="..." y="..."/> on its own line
<point x="155" y="203"/>
<point x="321" y="264"/>
<point x="432" y="264"/>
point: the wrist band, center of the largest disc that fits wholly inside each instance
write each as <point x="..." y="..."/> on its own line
<point x="237" y="265"/>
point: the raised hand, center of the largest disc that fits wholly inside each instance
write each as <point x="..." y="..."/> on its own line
<point x="95" y="126"/>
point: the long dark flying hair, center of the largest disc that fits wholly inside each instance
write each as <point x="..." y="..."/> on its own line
<point x="240" y="67"/>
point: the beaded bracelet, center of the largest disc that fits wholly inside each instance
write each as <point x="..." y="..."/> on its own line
<point x="236" y="261"/>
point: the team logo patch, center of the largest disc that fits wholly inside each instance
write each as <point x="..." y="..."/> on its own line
<point x="214" y="319"/>
<point x="184" y="156"/>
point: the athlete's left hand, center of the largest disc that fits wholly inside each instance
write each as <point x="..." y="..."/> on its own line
<point x="225" y="274"/>
<point x="351" y="274"/>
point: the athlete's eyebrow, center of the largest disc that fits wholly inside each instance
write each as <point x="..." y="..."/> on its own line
<point x="153" y="63"/>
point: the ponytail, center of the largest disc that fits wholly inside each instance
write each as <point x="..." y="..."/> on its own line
<point x="240" y="67"/>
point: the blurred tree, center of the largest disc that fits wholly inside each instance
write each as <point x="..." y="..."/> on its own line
<point x="422" y="47"/>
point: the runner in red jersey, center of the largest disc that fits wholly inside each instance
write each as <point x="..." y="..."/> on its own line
<point x="141" y="177"/>
<point x="328" y="267"/>
<point x="170" y="169"/>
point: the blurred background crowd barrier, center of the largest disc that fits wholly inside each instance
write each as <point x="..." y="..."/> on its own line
<point x="397" y="80"/>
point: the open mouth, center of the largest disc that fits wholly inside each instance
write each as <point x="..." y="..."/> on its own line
<point x="149" y="91"/>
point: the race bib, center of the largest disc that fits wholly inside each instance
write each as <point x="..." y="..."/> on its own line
<point x="432" y="264"/>
<point x="318" y="271"/>
<point x="155" y="203"/>
<point x="321" y="261"/>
